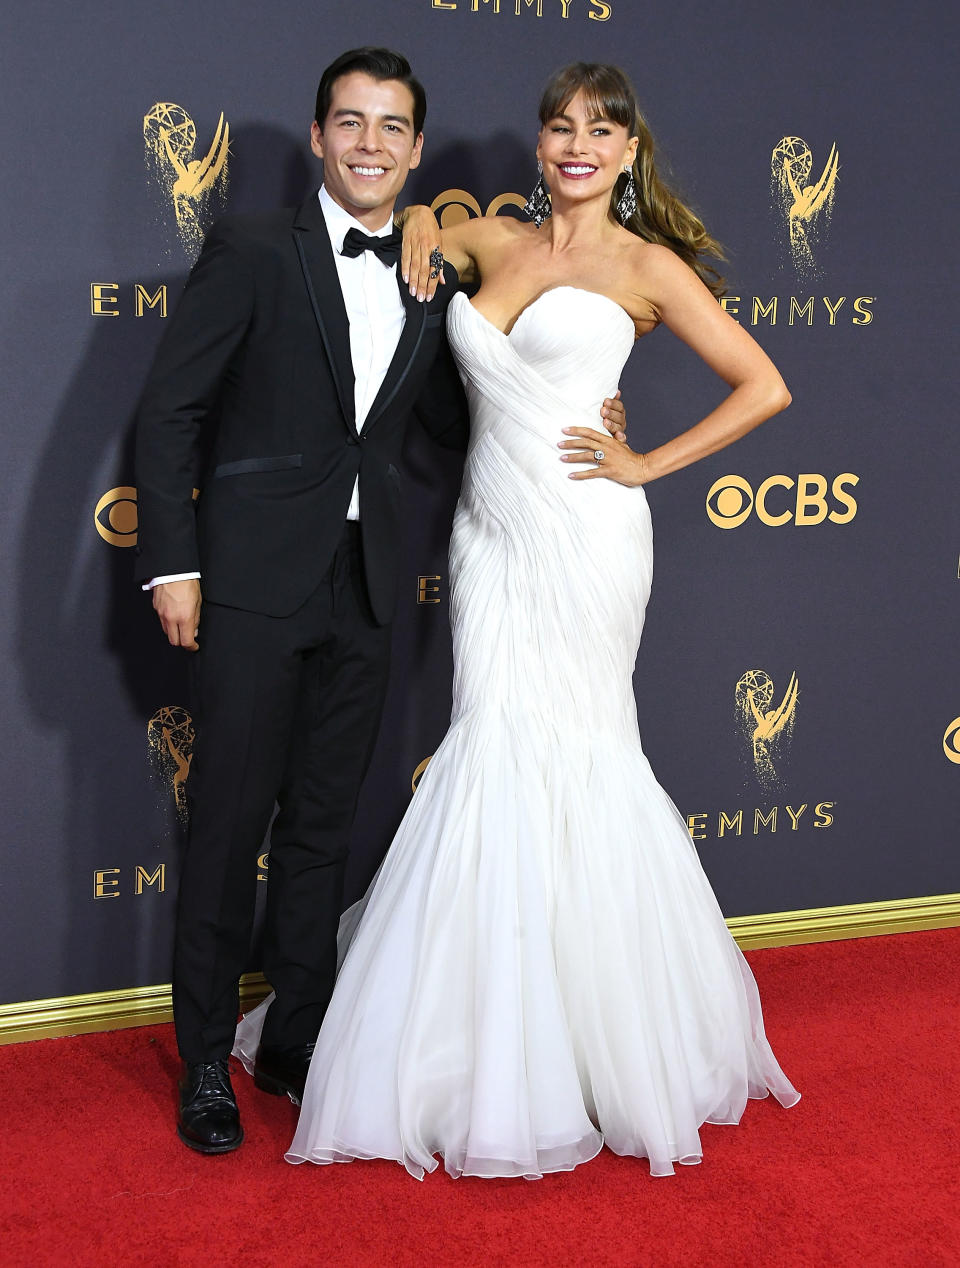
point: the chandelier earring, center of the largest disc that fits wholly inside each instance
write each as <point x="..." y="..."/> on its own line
<point x="537" y="205"/>
<point x="628" y="199"/>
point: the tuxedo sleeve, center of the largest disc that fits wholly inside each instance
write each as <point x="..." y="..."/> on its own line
<point x="442" y="405"/>
<point x="179" y="401"/>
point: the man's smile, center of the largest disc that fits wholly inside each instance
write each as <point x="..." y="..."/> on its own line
<point x="365" y="171"/>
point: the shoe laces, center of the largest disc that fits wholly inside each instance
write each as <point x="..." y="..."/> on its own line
<point x="213" y="1082"/>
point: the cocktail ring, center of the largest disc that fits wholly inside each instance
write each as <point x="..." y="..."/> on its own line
<point x="436" y="262"/>
<point x="598" y="455"/>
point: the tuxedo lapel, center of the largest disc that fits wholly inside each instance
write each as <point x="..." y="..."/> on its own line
<point x="409" y="343"/>
<point x="323" y="287"/>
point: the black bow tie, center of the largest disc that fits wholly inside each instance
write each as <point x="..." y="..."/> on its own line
<point x="386" y="248"/>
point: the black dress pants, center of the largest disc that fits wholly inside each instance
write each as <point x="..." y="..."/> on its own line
<point x="286" y="712"/>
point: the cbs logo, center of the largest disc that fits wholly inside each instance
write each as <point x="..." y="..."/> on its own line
<point x="454" y="206"/>
<point x="781" y="499"/>
<point x="115" y="517"/>
<point x="419" y="771"/>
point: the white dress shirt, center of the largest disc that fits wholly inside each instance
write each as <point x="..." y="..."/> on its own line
<point x="375" y="314"/>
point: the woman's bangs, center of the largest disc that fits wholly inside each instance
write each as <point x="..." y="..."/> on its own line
<point x="604" y="96"/>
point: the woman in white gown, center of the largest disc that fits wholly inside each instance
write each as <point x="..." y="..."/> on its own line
<point x="540" y="965"/>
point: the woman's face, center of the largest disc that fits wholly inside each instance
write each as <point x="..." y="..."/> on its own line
<point x="582" y="155"/>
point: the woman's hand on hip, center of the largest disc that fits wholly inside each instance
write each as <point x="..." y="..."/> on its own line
<point x="604" y="457"/>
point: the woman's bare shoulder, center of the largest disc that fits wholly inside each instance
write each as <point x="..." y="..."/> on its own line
<point x="658" y="275"/>
<point x="479" y="245"/>
<point x="489" y="229"/>
<point x="650" y="259"/>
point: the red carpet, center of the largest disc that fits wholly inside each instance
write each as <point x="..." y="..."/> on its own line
<point x="862" y="1171"/>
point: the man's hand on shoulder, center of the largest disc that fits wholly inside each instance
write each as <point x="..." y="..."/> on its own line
<point x="177" y="604"/>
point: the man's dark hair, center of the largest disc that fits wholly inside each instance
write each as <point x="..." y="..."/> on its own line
<point x="380" y="64"/>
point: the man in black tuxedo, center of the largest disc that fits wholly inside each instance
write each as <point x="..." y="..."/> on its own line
<point x="298" y="353"/>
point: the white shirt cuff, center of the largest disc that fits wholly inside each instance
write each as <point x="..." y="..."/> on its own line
<point x="174" y="576"/>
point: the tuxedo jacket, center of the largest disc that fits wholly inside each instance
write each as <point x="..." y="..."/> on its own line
<point x="251" y="398"/>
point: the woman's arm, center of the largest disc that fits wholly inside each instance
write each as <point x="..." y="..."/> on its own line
<point x="422" y="235"/>
<point x="757" y="392"/>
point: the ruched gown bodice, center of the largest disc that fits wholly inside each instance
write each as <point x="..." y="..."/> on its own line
<point x="540" y="966"/>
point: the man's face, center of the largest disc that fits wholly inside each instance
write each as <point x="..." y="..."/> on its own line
<point x="367" y="144"/>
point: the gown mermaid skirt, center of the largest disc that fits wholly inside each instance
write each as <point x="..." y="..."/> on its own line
<point x="540" y="966"/>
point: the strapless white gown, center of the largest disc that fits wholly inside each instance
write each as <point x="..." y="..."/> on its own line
<point x="540" y="966"/>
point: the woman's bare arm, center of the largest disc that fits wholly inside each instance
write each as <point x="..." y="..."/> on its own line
<point x="757" y="391"/>
<point x="422" y="235"/>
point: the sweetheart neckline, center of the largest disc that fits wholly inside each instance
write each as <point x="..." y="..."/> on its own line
<point x="582" y="290"/>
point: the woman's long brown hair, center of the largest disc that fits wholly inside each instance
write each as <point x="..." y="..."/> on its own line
<point x="660" y="215"/>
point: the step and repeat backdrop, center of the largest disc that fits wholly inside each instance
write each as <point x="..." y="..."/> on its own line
<point x="797" y="687"/>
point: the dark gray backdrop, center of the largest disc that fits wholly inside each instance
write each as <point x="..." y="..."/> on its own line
<point x="862" y="612"/>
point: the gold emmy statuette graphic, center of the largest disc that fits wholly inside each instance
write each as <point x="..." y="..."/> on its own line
<point x="951" y="742"/>
<point x="454" y="206"/>
<point x="115" y="516"/>
<point x="765" y="726"/>
<point x="803" y="204"/>
<point x="169" y="137"/>
<point x="170" y="737"/>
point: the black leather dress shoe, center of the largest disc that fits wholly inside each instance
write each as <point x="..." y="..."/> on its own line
<point x="283" y="1071"/>
<point x="208" y="1120"/>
